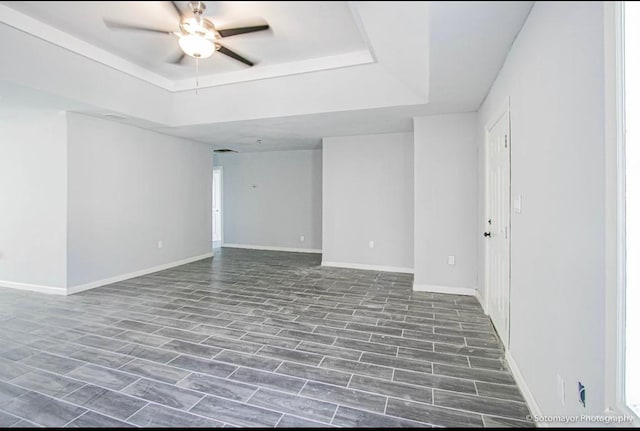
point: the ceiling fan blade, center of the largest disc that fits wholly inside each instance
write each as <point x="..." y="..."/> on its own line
<point x="178" y="11"/>
<point x="178" y="59"/>
<point x="241" y="30"/>
<point x="234" y="55"/>
<point x="123" y="26"/>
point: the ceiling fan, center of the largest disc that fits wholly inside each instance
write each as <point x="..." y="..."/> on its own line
<point x="197" y="36"/>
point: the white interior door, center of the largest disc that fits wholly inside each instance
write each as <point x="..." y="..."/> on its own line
<point x="498" y="224"/>
<point x="216" y="218"/>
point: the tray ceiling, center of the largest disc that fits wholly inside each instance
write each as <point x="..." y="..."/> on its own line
<point x="304" y="36"/>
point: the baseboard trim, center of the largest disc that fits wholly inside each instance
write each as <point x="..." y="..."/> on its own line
<point x="445" y="289"/>
<point x="41" y="288"/>
<point x="524" y="387"/>
<point x="122" y="277"/>
<point x="534" y="408"/>
<point x="368" y="267"/>
<point x="482" y="302"/>
<point x="269" y="248"/>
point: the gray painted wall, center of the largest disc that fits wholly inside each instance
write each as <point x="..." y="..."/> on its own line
<point x="446" y="200"/>
<point x="33" y="198"/>
<point x="271" y="199"/>
<point x="128" y="189"/>
<point x="367" y="195"/>
<point x="554" y="78"/>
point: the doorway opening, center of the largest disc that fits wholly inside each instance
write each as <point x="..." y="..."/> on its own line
<point x="497" y="233"/>
<point x="216" y="208"/>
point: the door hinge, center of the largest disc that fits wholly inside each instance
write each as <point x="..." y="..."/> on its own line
<point x="505" y="141"/>
<point x="505" y="232"/>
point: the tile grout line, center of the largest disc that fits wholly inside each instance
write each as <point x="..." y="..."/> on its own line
<point x="335" y="412"/>
<point x="196" y="403"/>
<point x="134" y="413"/>
<point x="279" y="420"/>
<point x="302" y="388"/>
<point x="125" y="387"/>
<point x="177" y="384"/>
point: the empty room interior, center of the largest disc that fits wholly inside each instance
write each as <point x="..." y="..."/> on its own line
<point x="319" y="214"/>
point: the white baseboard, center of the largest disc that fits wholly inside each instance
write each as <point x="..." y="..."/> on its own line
<point x="482" y="302"/>
<point x="122" y="277"/>
<point x="51" y="290"/>
<point x="368" y="267"/>
<point x="524" y="387"/>
<point x="534" y="408"/>
<point x="445" y="289"/>
<point x="269" y="248"/>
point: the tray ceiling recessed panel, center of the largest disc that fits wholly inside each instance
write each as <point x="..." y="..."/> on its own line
<point x="300" y="32"/>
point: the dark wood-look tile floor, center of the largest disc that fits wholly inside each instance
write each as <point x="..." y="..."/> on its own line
<point x="255" y="339"/>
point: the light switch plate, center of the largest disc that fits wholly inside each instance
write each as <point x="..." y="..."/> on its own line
<point x="452" y="260"/>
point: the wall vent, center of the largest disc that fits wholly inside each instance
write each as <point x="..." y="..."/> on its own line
<point x="224" y="150"/>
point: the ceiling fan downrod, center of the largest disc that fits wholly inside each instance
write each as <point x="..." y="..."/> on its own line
<point x="197" y="7"/>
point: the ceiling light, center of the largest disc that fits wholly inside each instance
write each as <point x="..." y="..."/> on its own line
<point x="198" y="34"/>
<point x="197" y="46"/>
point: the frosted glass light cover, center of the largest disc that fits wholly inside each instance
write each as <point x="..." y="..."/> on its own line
<point x="197" y="46"/>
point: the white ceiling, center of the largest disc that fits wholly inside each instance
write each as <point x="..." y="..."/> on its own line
<point x="299" y="30"/>
<point x="377" y="65"/>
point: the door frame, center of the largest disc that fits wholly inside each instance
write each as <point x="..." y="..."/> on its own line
<point x="221" y="186"/>
<point x="503" y="109"/>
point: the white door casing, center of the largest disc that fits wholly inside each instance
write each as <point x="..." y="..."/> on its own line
<point x="497" y="233"/>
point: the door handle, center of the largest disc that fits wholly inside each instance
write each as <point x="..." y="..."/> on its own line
<point x="487" y="234"/>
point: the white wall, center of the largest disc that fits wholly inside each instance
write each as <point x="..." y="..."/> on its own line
<point x="367" y="195"/>
<point x="446" y="202"/>
<point x="554" y="78"/>
<point x="33" y="198"/>
<point x="128" y="189"/>
<point x="41" y="65"/>
<point x="271" y="199"/>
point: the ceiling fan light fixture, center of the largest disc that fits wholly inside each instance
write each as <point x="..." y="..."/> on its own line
<point x="197" y="46"/>
<point x="197" y="35"/>
<point x="199" y="26"/>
